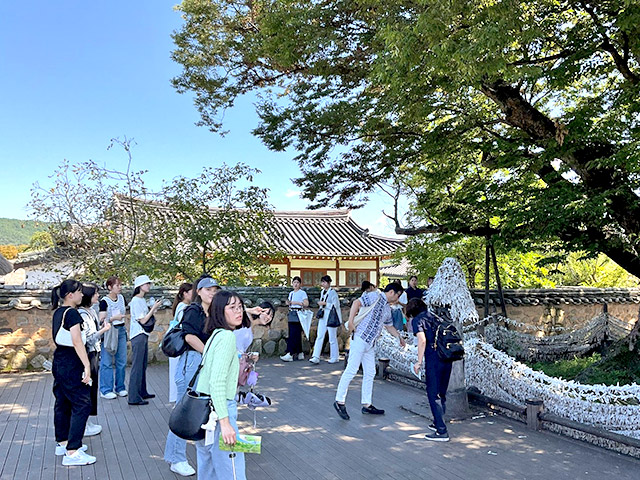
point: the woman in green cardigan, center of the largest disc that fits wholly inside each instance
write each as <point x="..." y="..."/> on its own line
<point x="219" y="378"/>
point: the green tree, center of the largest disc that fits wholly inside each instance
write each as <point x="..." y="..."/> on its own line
<point x="40" y="241"/>
<point x="515" y="120"/>
<point x="108" y="222"/>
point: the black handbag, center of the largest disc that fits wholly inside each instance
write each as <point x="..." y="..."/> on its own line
<point x="320" y="313"/>
<point x="192" y="411"/>
<point x="149" y="326"/>
<point x="333" y="320"/>
<point x="173" y="342"/>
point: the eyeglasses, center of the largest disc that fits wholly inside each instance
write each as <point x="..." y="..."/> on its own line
<point x="235" y="308"/>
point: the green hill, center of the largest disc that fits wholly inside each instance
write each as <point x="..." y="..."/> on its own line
<point x="18" y="232"/>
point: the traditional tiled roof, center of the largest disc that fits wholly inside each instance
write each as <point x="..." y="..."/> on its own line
<point x="397" y="269"/>
<point x="560" y="296"/>
<point x="329" y="233"/>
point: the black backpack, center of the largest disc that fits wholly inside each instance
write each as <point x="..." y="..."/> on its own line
<point x="448" y="342"/>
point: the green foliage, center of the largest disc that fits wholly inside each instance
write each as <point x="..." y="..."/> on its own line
<point x="517" y="120"/>
<point x="622" y="368"/>
<point x="18" y="232"/>
<point x="107" y="222"/>
<point x="40" y="241"/>
<point x="566" y="369"/>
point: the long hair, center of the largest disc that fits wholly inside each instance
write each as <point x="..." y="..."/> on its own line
<point x="88" y="291"/>
<point x="61" y="291"/>
<point x="269" y="306"/>
<point x="216" y="318"/>
<point x="184" y="288"/>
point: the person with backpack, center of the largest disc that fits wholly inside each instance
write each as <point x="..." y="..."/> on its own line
<point x="368" y="315"/>
<point x="437" y="371"/>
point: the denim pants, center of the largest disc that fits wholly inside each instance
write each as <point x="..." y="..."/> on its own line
<point x="437" y="374"/>
<point x="106" y="365"/>
<point x="215" y="464"/>
<point x="175" y="449"/>
<point x="360" y="352"/>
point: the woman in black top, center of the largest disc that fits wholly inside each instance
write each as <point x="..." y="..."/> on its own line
<point x="71" y="375"/>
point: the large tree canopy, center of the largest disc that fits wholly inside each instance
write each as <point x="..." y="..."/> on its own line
<point x="515" y="119"/>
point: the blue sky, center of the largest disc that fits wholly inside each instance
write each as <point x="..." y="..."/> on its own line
<point x="75" y="74"/>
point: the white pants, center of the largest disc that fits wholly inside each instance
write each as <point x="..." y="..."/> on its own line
<point x="333" y="340"/>
<point x="360" y="352"/>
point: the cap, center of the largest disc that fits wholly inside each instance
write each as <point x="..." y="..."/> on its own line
<point x="207" y="282"/>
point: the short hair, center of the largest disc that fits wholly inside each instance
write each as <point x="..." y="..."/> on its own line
<point x="111" y="281"/>
<point x="296" y="278"/>
<point x="412" y="277"/>
<point x="88" y="291"/>
<point x="415" y="307"/>
<point x="326" y="278"/>
<point x="396" y="287"/>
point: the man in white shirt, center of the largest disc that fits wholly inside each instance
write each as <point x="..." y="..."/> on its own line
<point x="362" y="351"/>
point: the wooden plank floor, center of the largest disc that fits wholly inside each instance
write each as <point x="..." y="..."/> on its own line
<point x="303" y="438"/>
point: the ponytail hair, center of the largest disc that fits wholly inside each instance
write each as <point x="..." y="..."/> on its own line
<point x="59" y="293"/>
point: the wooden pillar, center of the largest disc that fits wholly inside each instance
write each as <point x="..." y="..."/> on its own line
<point x="534" y="408"/>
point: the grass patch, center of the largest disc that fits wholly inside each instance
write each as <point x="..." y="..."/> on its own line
<point x="566" y="369"/>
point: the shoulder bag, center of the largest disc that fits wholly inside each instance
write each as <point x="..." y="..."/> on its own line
<point x="193" y="409"/>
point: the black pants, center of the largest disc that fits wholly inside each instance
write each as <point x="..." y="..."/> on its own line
<point x="294" y="342"/>
<point x="71" y="411"/>
<point x="94" y="363"/>
<point x="138" y="374"/>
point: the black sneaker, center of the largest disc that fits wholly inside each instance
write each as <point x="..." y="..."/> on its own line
<point x="437" y="437"/>
<point x="342" y="410"/>
<point x="371" y="410"/>
<point x="432" y="427"/>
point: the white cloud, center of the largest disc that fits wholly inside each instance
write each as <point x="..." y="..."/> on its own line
<point x="292" y="193"/>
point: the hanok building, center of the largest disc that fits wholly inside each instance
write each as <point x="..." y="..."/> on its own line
<point x="329" y="242"/>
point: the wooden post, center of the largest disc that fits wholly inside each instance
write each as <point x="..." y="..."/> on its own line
<point x="534" y="408"/>
<point x="498" y="283"/>
<point x="383" y="364"/>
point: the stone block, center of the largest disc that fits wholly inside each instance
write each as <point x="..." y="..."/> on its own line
<point x="274" y="334"/>
<point x="38" y="361"/>
<point x="22" y="321"/>
<point x="44" y="350"/>
<point x="4" y="322"/>
<point x="305" y="344"/>
<point x="256" y="346"/>
<point x="42" y="342"/>
<point x="6" y="352"/>
<point x="282" y="347"/>
<point x="4" y="363"/>
<point x="269" y="348"/>
<point x="20" y="361"/>
<point x="159" y="356"/>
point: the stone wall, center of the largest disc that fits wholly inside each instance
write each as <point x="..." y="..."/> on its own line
<point x="25" y="317"/>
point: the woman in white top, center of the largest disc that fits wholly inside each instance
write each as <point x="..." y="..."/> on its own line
<point x="141" y="315"/>
<point x="328" y="301"/>
<point x="297" y="301"/>
<point x="91" y="326"/>
<point x="182" y="301"/>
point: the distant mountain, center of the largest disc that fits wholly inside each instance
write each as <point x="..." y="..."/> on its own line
<point x="18" y="232"/>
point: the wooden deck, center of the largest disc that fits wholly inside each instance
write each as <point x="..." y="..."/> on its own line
<point x="303" y="438"/>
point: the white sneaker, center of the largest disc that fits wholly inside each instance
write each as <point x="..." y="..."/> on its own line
<point x="108" y="395"/>
<point x="92" y="429"/>
<point x="333" y="361"/>
<point x="314" y="360"/>
<point x="62" y="449"/>
<point x="183" y="468"/>
<point x="78" y="457"/>
<point x="286" y="358"/>
<point x="301" y="356"/>
<point x="123" y="393"/>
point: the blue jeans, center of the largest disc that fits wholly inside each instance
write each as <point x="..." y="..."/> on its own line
<point x="437" y="374"/>
<point x="215" y="464"/>
<point x="398" y="319"/>
<point x="106" y="364"/>
<point x="175" y="449"/>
